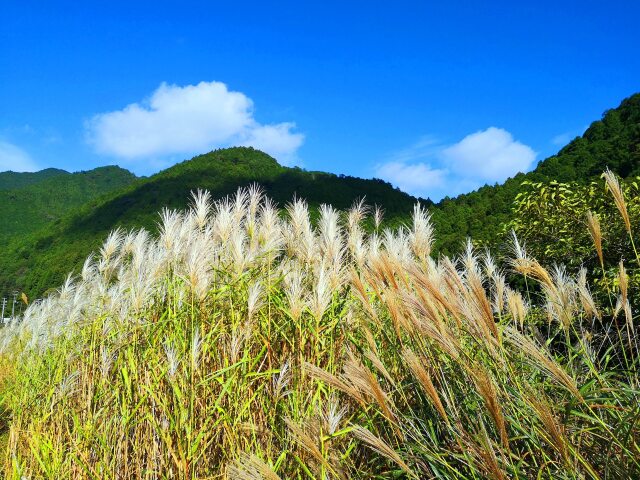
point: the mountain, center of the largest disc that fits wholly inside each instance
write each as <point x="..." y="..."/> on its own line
<point x="14" y="180"/>
<point x="612" y="142"/>
<point x="41" y="260"/>
<point x="30" y="201"/>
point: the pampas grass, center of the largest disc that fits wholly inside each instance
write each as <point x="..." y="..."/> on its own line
<point x="239" y="343"/>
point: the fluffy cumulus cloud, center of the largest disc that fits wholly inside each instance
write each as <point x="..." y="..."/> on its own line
<point x="184" y="120"/>
<point x="490" y="155"/>
<point x="277" y="140"/>
<point x="430" y="170"/>
<point x="417" y="177"/>
<point x="16" y="159"/>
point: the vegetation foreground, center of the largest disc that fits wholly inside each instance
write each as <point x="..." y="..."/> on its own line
<point x="241" y="344"/>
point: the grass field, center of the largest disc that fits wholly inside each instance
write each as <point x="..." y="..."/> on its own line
<point x="242" y="343"/>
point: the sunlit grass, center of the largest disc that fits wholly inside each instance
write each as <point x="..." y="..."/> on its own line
<point x="243" y="345"/>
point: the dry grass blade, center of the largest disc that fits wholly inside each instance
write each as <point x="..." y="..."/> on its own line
<point x="486" y="388"/>
<point x="623" y="282"/>
<point x="376" y="362"/>
<point x="303" y="439"/>
<point x="334" y="381"/>
<point x="552" y="429"/>
<point x="542" y="360"/>
<point x="593" y="223"/>
<point x="618" y="197"/>
<point x="517" y="306"/>
<point x="251" y="467"/>
<point x="588" y="304"/>
<point x="484" y="452"/>
<point x="377" y="444"/>
<point x="421" y="373"/>
<point x="358" y="375"/>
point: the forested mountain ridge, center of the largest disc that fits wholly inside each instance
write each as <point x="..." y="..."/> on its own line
<point x="41" y="260"/>
<point x="612" y="142"/>
<point x="30" y="201"/>
<point x="12" y="180"/>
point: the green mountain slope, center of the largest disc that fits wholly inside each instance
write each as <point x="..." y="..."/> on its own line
<point x="13" y="180"/>
<point x="42" y="260"/>
<point x="50" y="194"/>
<point x="612" y="142"/>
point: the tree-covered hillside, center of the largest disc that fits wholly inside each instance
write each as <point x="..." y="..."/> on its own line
<point x="612" y="142"/>
<point x="32" y="200"/>
<point x="14" y="180"/>
<point x="40" y="261"/>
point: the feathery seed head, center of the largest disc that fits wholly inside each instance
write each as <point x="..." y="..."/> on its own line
<point x="196" y="347"/>
<point x="172" y="360"/>
<point x="421" y="237"/>
<point x="378" y="216"/>
<point x="613" y="185"/>
<point x="254" y="299"/>
<point x="593" y="223"/>
<point x="201" y="207"/>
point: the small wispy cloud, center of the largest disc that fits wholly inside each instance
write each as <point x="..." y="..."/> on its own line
<point x="426" y="147"/>
<point x="412" y="177"/>
<point x="15" y="158"/>
<point x="432" y="169"/>
<point x="277" y="140"/>
<point x="184" y="120"/>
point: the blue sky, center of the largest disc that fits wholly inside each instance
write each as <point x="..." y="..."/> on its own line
<point x="436" y="97"/>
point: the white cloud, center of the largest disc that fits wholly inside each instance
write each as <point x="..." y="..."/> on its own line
<point x="16" y="159"/>
<point x="425" y="147"/>
<point x="417" y="177"/>
<point x="188" y="120"/>
<point x="486" y="156"/>
<point x="490" y="155"/>
<point x="277" y="140"/>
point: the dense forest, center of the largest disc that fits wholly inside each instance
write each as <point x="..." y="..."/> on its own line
<point x="15" y="180"/>
<point x="612" y="142"/>
<point x="30" y="201"/>
<point x="83" y="208"/>
<point x="41" y="260"/>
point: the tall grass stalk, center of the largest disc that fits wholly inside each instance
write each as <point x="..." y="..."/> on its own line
<point x="243" y="344"/>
